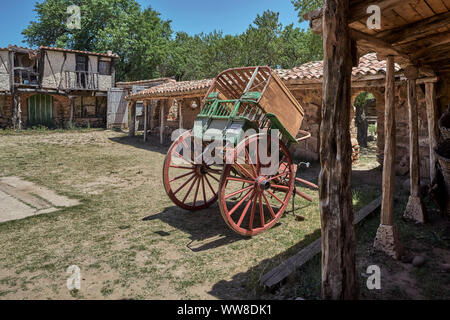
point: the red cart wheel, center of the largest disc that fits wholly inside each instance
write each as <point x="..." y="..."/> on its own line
<point x="251" y="202"/>
<point x="190" y="186"/>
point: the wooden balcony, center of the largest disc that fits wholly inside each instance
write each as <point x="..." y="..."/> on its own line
<point x="25" y="77"/>
<point x="81" y="80"/>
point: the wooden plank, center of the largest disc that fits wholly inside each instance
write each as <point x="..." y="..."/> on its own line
<point x="437" y="5"/>
<point x="417" y="30"/>
<point x="286" y="268"/>
<point x="422" y="8"/>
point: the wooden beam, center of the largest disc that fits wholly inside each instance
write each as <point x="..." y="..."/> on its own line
<point x="153" y="105"/>
<point x="145" y="120"/>
<point x="72" y="107"/>
<point x="433" y="131"/>
<point x="415" y="209"/>
<point x="286" y="268"/>
<point x="382" y="48"/>
<point x="417" y="30"/>
<point x="162" y="121"/>
<point x="387" y="207"/>
<point x="357" y="12"/>
<point x="387" y="239"/>
<point x="180" y="114"/>
<point x="132" y="119"/>
<point x="339" y="280"/>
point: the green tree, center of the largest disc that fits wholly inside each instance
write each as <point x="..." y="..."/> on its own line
<point x="305" y="6"/>
<point x="140" y="37"/>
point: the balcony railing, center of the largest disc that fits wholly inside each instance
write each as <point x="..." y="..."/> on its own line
<point x="25" y="77"/>
<point x="81" y="80"/>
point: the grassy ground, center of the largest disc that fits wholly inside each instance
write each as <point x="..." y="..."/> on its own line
<point x="127" y="237"/>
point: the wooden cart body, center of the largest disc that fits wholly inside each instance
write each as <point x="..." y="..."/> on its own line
<point x="251" y="97"/>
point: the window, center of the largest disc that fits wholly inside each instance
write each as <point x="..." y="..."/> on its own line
<point x="81" y="63"/>
<point x="104" y="68"/>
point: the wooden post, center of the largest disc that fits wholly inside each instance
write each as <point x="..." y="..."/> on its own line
<point x="152" y="114"/>
<point x="162" y="121"/>
<point x="145" y="120"/>
<point x="387" y="239"/>
<point x="72" y="106"/>
<point x="415" y="209"/>
<point x="339" y="280"/>
<point x="433" y="131"/>
<point x="17" y="112"/>
<point x="180" y="114"/>
<point x="132" y="120"/>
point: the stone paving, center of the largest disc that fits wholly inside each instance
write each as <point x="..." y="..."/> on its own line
<point x="20" y="199"/>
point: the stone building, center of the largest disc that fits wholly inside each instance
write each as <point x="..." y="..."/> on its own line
<point x="54" y="87"/>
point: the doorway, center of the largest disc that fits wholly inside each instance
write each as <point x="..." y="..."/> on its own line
<point x="40" y="111"/>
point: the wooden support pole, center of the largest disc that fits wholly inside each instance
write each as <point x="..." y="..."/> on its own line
<point x="153" y="105"/>
<point x="415" y="209"/>
<point x="433" y="131"/>
<point x="180" y="114"/>
<point x="132" y="120"/>
<point x="145" y="120"/>
<point x="387" y="239"/>
<point x="72" y="106"/>
<point x="162" y="121"/>
<point x="339" y="280"/>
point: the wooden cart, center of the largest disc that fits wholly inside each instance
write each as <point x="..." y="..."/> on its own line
<point x="252" y="193"/>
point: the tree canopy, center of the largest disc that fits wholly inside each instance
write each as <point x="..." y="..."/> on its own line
<point x="148" y="47"/>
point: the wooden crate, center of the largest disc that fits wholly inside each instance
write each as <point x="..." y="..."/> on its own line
<point x="278" y="100"/>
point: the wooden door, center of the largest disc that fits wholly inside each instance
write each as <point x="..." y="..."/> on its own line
<point x="40" y="110"/>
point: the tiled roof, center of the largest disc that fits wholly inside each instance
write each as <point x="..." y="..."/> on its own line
<point x="368" y="65"/>
<point x="143" y="82"/>
<point x="175" y="88"/>
<point x="110" y="55"/>
<point x="15" y="47"/>
<point x="311" y="71"/>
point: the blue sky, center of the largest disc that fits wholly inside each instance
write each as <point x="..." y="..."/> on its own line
<point x="191" y="16"/>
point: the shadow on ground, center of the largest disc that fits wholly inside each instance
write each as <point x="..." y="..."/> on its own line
<point x="152" y="143"/>
<point x="206" y="228"/>
<point x="245" y="285"/>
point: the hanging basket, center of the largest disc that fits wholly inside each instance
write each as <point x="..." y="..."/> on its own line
<point x="444" y="125"/>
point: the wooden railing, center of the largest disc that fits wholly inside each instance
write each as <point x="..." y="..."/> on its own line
<point x="81" y="80"/>
<point x="25" y="77"/>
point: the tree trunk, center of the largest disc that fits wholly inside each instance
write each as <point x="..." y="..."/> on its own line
<point x="339" y="279"/>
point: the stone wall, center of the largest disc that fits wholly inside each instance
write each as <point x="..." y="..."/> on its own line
<point x="4" y="71"/>
<point x="311" y="100"/>
<point x="61" y="111"/>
